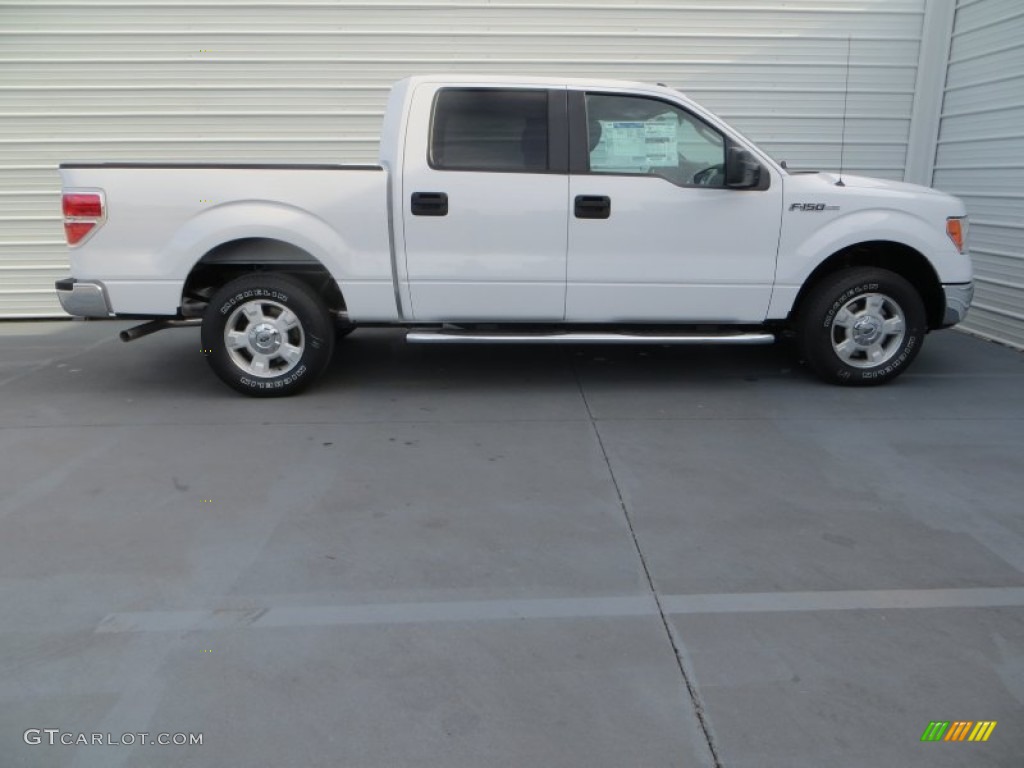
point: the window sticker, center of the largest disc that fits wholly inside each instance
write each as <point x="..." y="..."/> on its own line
<point x="635" y="146"/>
<point x="622" y="147"/>
<point x="662" y="141"/>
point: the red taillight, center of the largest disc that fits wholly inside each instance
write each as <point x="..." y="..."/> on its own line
<point x="83" y="213"/>
<point x="81" y="206"/>
<point x="74" y="231"/>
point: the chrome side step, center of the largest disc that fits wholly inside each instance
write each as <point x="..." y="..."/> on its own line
<point x="473" y="337"/>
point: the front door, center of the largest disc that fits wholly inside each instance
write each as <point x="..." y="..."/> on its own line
<point x="486" y="204"/>
<point x="655" y="235"/>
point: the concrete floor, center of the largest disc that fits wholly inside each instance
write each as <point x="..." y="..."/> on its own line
<point x="444" y="557"/>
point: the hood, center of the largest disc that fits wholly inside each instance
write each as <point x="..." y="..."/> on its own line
<point x="829" y="179"/>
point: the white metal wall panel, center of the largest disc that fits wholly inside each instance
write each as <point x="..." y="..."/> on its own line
<point x="980" y="156"/>
<point x="307" y="80"/>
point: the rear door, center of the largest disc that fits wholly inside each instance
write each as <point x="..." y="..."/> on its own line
<point x="485" y="203"/>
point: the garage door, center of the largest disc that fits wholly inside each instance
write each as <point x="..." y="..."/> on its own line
<point x="307" y="81"/>
<point x="980" y="156"/>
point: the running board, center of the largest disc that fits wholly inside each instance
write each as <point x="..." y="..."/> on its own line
<point x="472" y="337"/>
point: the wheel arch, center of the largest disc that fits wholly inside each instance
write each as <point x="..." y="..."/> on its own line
<point x="245" y="255"/>
<point x="907" y="262"/>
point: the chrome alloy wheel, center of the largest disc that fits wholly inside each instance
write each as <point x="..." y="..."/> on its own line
<point x="264" y="338"/>
<point x="868" y="330"/>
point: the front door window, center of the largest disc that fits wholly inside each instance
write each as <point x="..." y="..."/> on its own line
<point x="630" y="135"/>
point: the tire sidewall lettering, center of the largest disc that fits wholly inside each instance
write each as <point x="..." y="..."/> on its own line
<point x="249" y="294"/>
<point x="843" y="298"/>
<point x="890" y="368"/>
<point x="279" y="383"/>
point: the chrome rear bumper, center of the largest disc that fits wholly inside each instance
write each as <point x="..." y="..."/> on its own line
<point x="83" y="298"/>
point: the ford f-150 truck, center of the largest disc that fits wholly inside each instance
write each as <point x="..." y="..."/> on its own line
<point x="520" y="210"/>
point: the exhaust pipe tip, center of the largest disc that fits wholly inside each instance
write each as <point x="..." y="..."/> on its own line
<point x="131" y="334"/>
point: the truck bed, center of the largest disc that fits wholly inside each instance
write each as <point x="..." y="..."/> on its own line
<point x="162" y="217"/>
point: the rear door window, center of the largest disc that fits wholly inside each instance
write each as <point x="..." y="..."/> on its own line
<point x="490" y="129"/>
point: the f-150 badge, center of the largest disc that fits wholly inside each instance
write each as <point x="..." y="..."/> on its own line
<point x="813" y="207"/>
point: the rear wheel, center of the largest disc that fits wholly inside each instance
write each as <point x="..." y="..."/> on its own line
<point x="267" y="335"/>
<point x="861" y="326"/>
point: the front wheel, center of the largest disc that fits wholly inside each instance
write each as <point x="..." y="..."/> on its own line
<point x="267" y="335"/>
<point x="861" y="326"/>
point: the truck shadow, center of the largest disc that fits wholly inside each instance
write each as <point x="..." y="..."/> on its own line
<point x="382" y="357"/>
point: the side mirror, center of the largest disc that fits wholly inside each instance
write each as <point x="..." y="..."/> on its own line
<point x="742" y="171"/>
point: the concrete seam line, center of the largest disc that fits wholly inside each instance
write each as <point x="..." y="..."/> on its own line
<point x="376" y="614"/>
<point x="606" y="607"/>
<point x="675" y="642"/>
<point x="845" y="600"/>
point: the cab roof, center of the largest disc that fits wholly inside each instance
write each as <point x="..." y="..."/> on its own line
<point x="544" y="82"/>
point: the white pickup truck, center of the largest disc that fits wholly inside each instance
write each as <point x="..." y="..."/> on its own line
<point x="520" y="210"/>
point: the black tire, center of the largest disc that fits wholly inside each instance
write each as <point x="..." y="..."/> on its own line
<point x="343" y="328"/>
<point x="284" y="335"/>
<point x="861" y="326"/>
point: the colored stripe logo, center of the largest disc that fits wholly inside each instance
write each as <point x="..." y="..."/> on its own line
<point x="958" y="730"/>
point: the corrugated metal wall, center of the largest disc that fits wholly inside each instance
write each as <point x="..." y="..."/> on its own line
<point x="980" y="156"/>
<point x="307" y="80"/>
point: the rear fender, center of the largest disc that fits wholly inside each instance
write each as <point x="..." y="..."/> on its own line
<point x="239" y="220"/>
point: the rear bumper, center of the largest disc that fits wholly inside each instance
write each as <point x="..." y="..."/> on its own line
<point x="958" y="301"/>
<point x="83" y="298"/>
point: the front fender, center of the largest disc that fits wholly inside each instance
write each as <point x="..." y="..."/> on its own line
<point x="801" y="252"/>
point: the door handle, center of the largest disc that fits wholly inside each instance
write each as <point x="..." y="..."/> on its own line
<point x="593" y="207"/>
<point x="429" y="204"/>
